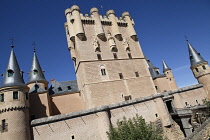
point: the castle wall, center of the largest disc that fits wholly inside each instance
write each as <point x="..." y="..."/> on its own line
<point x="66" y="103"/>
<point x="94" y="123"/>
<point x="40" y="105"/>
<point x="191" y="97"/>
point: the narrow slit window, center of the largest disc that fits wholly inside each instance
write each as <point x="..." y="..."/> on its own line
<point x="156" y="87"/>
<point x="10" y="73"/>
<point x="121" y="75"/>
<point x="156" y="115"/>
<point x="129" y="55"/>
<point x="2" y="98"/>
<point x="115" y="55"/>
<point x="26" y="95"/>
<point x="157" y="72"/>
<point x="204" y="68"/>
<point x="15" y="95"/>
<point x="99" y="57"/>
<point x="137" y="74"/>
<point x="72" y="137"/>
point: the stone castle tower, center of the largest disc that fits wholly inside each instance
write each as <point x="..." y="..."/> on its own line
<point x="111" y="69"/>
<point x="109" y="63"/>
<point x="200" y="68"/>
<point x="14" y="105"/>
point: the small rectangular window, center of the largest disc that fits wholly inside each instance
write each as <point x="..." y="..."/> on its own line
<point x="129" y="55"/>
<point x="99" y="57"/>
<point x="15" y="95"/>
<point x="4" y="125"/>
<point x="115" y="55"/>
<point x="103" y="72"/>
<point x="137" y="74"/>
<point x="2" y="98"/>
<point x="204" y="68"/>
<point x="157" y="72"/>
<point x="127" y="97"/>
<point x="26" y="95"/>
<point x="121" y="75"/>
<point x="72" y="137"/>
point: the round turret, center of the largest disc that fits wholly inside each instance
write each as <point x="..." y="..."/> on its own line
<point x="125" y="14"/>
<point x="75" y="7"/>
<point x="67" y="11"/>
<point x="93" y="10"/>
<point x="110" y="12"/>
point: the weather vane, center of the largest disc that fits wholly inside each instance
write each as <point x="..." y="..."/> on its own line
<point x="33" y="44"/>
<point x="186" y="38"/>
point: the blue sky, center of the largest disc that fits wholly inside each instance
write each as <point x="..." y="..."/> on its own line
<point x="160" y="24"/>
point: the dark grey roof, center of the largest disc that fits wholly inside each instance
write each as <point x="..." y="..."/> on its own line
<point x="63" y="87"/>
<point x="165" y="66"/>
<point x="154" y="71"/>
<point x="36" y="73"/>
<point x="195" y="57"/>
<point x="13" y="74"/>
<point x="36" y="89"/>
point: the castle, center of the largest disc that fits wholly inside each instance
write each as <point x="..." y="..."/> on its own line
<point x="114" y="79"/>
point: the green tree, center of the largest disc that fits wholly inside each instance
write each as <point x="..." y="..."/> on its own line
<point x="135" y="129"/>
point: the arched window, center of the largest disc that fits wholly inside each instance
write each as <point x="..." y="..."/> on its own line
<point x="103" y="70"/>
<point x="114" y="49"/>
<point x="10" y="73"/>
<point x="35" y="72"/>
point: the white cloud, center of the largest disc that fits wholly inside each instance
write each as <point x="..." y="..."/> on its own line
<point x="182" y="68"/>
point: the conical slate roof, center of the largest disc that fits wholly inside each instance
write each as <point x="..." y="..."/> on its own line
<point x="165" y="66"/>
<point x="154" y="71"/>
<point x="195" y="57"/>
<point x="13" y="74"/>
<point x="36" y="74"/>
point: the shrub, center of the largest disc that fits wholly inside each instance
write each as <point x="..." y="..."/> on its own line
<point x="134" y="129"/>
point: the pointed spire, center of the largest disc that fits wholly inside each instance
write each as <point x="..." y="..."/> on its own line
<point x="195" y="57"/>
<point x="154" y="71"/>
<point x="36" y="73"/>
<point x="13" y="74"/>
<point x="165" y="66"/>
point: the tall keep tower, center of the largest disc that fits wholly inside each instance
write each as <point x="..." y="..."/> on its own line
<point x="14" y="104"/>
<point x="200" y="68"/>
<point x="109" y="63"/>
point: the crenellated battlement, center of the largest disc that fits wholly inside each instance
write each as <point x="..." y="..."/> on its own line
<point x="76" y="20"/>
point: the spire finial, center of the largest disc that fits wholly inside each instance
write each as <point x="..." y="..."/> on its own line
<point x="33" y="44"/>
<point x="12" y="42"/>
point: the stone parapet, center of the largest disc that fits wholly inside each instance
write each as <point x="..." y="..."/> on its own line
<point x="61" y="117"/>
